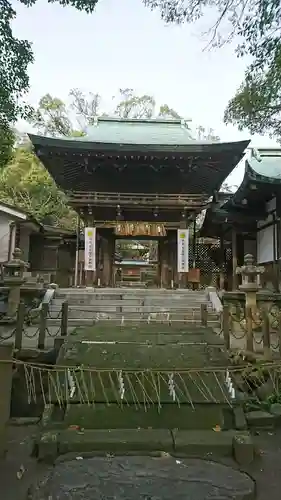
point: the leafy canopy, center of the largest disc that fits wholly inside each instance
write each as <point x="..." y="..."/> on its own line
<point x="25" y="183"/>
<point x="15" y="56"/>
<point x="55" y="118"/>
<point x="257" y="103"/>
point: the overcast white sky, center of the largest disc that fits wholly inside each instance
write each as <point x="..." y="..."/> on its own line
<point x="125" y="45"/>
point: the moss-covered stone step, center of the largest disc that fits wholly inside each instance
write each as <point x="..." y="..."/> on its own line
<point x="151" y="338"/>
<point x="140" y="356"/>
<point x="205" y="443"/>
<point x="202" y="443"/>
<point x="168" y="416"/>
<point x="142" y="329"/>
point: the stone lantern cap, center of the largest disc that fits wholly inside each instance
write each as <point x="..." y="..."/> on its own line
<point x="250" y="272"/>
<point x="15" y="265"/>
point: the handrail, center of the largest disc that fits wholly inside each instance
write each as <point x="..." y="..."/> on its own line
<point x="193" y="200"/>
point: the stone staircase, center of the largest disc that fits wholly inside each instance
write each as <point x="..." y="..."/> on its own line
<point x="131" y="305"/>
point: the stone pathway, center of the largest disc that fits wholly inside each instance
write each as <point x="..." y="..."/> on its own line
<point x="133" y="478"/>
<point x="265" y="470"/>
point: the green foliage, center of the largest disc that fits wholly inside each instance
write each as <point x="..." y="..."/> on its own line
<point x="134" y="106"/>
<point x="53" y="117"/>
<point x="257" y="103"/>
<point x="25" y="183"/>
<point x="256" y="21"/>
<point x="15" y="56"/>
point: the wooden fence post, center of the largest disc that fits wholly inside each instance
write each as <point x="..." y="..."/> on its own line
<point x="43" y="325"/>
<point x="19" y="326"/>
<point x="249" y="329"/>
<point x="279" y="332"/>
<point x="64" y="319"/>
<point x="204" y="315"/>
<point x="226" y="325"/>
<point x="265" y="333"/>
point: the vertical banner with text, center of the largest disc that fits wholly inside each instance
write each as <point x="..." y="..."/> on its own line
<point x="90" y="249"/>
<point x="183" y="250"/>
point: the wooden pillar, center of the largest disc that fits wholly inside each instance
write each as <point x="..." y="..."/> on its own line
<point x="164" y="265"/>
<point x="108" y="251"/>
<point x="158" y="278"/>
<point x="234" y="260"/>
<point x="111" y="252"/>
<point x="276" y="254"/>
<point x="222" y="263"/>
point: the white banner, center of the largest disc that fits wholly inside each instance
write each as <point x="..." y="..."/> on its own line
<point x="90" y="249"/>
<point x="183" y="250"/>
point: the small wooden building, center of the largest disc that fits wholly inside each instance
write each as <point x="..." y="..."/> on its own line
<point x="248" y="221"/>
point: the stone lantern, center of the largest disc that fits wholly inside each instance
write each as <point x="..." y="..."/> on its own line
<point x="13" y="279"/>
<point x="251" y="280"/>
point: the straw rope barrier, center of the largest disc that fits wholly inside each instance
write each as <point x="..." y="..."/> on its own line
<point x="65" y="384"/>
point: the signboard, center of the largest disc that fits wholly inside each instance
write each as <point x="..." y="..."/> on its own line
<point x="90" y="249"/>
<point x="183" y="248"/>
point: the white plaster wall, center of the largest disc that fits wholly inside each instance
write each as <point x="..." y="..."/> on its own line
<point x="4" y="236"/>
<point x="24" y="242"/>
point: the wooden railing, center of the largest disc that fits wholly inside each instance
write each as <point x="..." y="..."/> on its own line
<point x="139" y="199"/>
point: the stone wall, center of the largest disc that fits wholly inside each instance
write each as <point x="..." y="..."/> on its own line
<point x="4" y="236"/>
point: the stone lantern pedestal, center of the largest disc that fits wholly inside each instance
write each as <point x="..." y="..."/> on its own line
<point x="251" y="284"/>
<point x="13" y="279"/>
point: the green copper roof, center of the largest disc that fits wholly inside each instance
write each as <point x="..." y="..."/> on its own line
<point x="265" y="164"/>
<point x="130" y="131"/>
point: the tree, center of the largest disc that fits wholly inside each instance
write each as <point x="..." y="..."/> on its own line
<point x="15" y="56"/>
<point x="257" y="103"/>
<point x="53" y="117"/>
<point x="206" y="134"/>
<point x="133" y="106"/>
<point x="26" y="184"/>
<point x="256" y="21"/>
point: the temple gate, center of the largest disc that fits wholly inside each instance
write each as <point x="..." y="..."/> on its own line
<point x="131" y="178"/>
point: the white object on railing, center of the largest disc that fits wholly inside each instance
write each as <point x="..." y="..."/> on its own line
<point x="71" y="384"/>
<point x="121" y="385"/>
<point x="214" y="299"/>
<point x="171" y="386"/>
<point x="229" y="385"/>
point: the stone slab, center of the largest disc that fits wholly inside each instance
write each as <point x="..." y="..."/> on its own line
<point x="141" y="357"/>
<point x="260" y="419"/>
<point x="169" y="416"/>
<point x="133" y="478"/>
<point x="243" y="449"/>
<point x="203" y="443"/>
<point x="115" y="440"/>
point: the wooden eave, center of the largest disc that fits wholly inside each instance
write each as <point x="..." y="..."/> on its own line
<point x="86" y="166"/>
<point x="47" y="144"/>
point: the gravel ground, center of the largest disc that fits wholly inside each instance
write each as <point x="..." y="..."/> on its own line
<point x="19" y="471"/>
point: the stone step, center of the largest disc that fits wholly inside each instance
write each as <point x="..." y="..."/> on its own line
<point x="115" y="319"/>
<point x="85" y="315"/>
<point x="126" y="306"/>
<point x="160" y="291"/>
<point x="169" y="416"/>
<point x="201" y="443"/>
<point x="133" y="302"/>
<point x="100" y="335"/>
